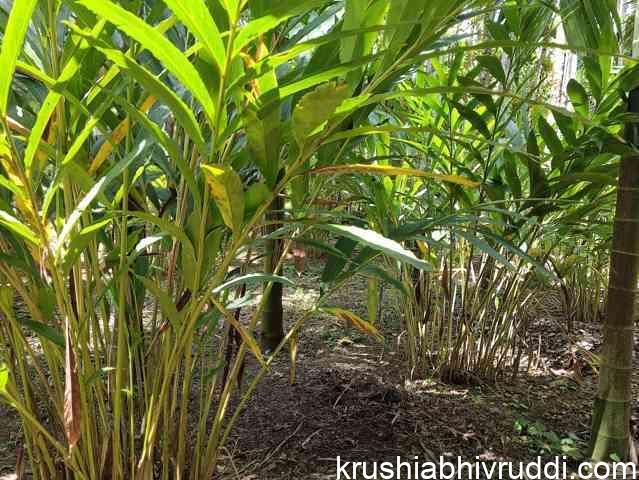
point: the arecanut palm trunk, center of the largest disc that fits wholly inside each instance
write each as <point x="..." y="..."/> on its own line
<point x="611" y="419"/>
<point x="273" y="317"/>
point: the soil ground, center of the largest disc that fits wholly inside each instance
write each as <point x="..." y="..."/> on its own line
<point x="352" y="398"/>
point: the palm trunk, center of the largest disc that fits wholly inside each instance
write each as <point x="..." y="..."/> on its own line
<point x="273" y="317"/>
<point x="611" y="419"/>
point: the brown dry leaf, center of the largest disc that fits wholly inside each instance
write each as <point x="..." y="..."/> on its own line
<point x="71" y="393"/>
<point x="357" y="322"/>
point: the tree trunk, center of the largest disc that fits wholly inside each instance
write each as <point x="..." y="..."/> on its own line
<point x="611" y="419"/>
<point x="273" y="317"/>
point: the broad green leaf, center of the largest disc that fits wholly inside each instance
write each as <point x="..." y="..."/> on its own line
<point x="12" y="41"/>
<point x="253" y="278"/>
<point x="578" y="97"/>
<point x="255" y="196"/>
<point x="228" y="193"/>
<point x="550" y="137"/>
<point x="356" y="321"/>
<point x="381" y="274"/>
<point x="45" y="331"/>
<point x="536" y="174"/>
<point x="591" y="177"/>
<point x="263" y="136"/>
<point x="390" y="171"/>
<point x="494" y="66"/>
<point x="38" y="129"/>
<point x="80" y="242"/>
<point x="475" y="119"/>
<point x="315" y="108"/>
<point x="377" y="242"/>
<point x="310" y="81"/>
<point x="354" y="16"/>
<point x="170" y="56"/>
<point x="197" y="18"/>
<point x="511" y="174"/>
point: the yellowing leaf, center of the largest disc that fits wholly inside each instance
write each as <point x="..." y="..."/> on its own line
<point x="390" y="171"/>
<point x="357" y="322"/>
<point x="4" y="378"/>
<point x="228" y="193"/>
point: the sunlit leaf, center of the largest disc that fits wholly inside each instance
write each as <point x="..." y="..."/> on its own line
<point x="228" y="193"/>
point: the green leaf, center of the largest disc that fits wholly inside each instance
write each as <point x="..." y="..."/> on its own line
<point x="383" y="275"/>
<point x="228" y="193"/>
<point x="484" y="247"/>
<point x="197" y="18"/>
<point x="183" y="114"/>
<point x="172" y="230"/>
<point x="337" y="260"/>
<point x="13" y="224"/>
<point x="578" y="97"/>
<point x="253" y="278"/>
<point x="170" y="146"/>
<point x="263" y="136"/>
<point x="281" y="11"/>
<point x="12" y="42"/>
<point x="494" y="66"/>
<point x="54" y="97"/>
<point x="551" y="140"/>
<point x="166" y="303"/>
<point x="315" y="108"/>
<point x="474" y="118"/>
<point x="377" y="242"/>
<point x="171" y="57"/>
<point x="354" y="16"/>
<point x="255" y="196"/>
<point x="590" y="177"/>
<point x="512" y="176"/>
<point x="45" y="331"/>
